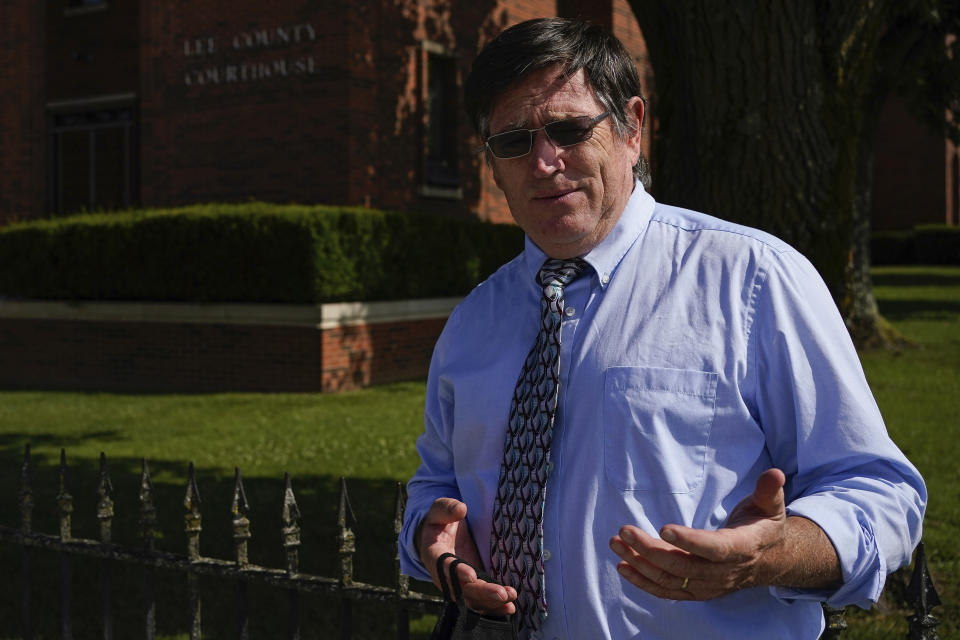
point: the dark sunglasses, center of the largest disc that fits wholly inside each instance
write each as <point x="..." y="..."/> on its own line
<point x="563" y="133"/>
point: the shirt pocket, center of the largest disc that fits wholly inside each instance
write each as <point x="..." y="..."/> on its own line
<point x="656" y="427"/>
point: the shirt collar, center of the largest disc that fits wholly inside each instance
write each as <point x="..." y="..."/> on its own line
<point x="604" y="257"/>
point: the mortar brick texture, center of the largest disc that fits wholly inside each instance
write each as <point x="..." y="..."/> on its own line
<point x="911" y="186"/>
<point x="183" y="357"/>
<point x="346" y="123"/>
<point x="22" y="124"/>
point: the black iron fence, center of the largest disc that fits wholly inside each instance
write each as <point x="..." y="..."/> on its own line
<point x="398" y="597"/>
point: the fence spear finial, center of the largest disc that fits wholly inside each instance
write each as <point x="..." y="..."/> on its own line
<point x="923" y="597"/>
<point x="290" y="533"/>
<point x="836" y="622"/>
<point x="192" y="519"/>
<point x="64" y="500"/>
<point x="104" y="501"/>
<point x="148" y="510"/>
<point x="26" y="493"/>
<point x="403" y="581"/>
<point x="241" y="523"/>
<point x="345" y="522"/>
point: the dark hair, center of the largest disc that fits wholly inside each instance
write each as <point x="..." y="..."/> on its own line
<point x="536" y="44"/>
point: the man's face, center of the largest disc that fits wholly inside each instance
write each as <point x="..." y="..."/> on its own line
<point x="565" y="198"/>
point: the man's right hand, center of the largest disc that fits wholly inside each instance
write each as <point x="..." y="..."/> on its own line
<point x="444" y="530"/>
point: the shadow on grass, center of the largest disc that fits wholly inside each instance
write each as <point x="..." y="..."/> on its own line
<point x="373" y="502"/>
<point x="919" y="308"/>
<point x="918" y="278"/>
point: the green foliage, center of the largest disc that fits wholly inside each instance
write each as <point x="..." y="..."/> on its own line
<point x="892" y="247"/>
<point x="256" y="252"/>
<point x="918" y="391"/>
<point x="925" y="244"/>
<point x="937" y="244"/>
<point x="919" y="60"/>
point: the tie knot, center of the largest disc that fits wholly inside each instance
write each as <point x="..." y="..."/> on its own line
<point x="558" y="272"/>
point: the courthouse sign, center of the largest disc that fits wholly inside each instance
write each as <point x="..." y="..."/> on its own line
<point x="202" y="53"/>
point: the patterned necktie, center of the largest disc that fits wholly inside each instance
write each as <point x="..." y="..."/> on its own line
<point x="516" y="555"/>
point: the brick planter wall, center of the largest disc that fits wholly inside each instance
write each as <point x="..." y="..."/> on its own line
<point x="205" y="348"/>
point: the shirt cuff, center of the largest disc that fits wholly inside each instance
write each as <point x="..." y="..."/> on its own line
<point x="863" y="566"/>
<point x="410" y="563"/>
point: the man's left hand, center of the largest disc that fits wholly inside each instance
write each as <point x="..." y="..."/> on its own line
<point x="758" y="546"/>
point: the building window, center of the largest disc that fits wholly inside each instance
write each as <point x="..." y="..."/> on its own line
<point x="92" y="157"/>
<point x="442" y="140"/>
<point x="79" y="7"/>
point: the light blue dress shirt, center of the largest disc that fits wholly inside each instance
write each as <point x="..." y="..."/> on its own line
<point x="696" y="355"/>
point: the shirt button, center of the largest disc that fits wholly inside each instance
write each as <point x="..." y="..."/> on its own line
<point x="546" y="555"/>
<point x="605" y="278"/>
<point x="570" y="311"/>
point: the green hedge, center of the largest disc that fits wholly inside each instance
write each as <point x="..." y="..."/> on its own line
<point x="255" y="252"/>
<point x="925" y="244"/>
<point x="892" y="247"/>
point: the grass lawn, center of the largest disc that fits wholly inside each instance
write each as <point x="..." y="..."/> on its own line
<point x="368" y="437"/>
<point x="365" y="436"/>
<point x="918" y="391"/>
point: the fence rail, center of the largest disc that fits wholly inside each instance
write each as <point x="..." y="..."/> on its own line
<point x="921" y="594"/>
<point x="399" y="596"/>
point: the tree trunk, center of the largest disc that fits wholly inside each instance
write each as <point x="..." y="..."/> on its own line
<point x="760" y="110"/>
<point x="867" y="327"/>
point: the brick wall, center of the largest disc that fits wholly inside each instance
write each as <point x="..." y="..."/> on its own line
<point x="625" y="27"/>
<point x="910" y="185"/>
<point x="22" y="125"/>
<point x="52" y="350"/>
<point x="362" y="355"/>
<point x="92" y="53"/>
<point x="951" y="172"/>
<point x="157" y="357"/>
<point x="317" y="101"/>
<point x="244" y="99"/>
<point x="388" y="97"/>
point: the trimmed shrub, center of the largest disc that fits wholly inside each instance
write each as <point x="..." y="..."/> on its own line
<point x="892" y="247"/>
<point x="937" y="244"/>
<point x="255" y="252"/>
<point x="925" y="244"/>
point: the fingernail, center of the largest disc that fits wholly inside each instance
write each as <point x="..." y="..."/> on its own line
<point x="668" y="535"/>
<point x="617" y="547"/>
<point x="628" y="536"/>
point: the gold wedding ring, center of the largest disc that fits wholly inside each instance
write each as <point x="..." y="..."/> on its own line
<point x="686" y="581"/>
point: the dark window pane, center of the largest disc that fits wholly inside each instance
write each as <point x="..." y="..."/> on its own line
<point x="92" y="160"/>
<point x="74" y="170"/>
<point x="442" y="141"/>
<point x="109" y="169"/>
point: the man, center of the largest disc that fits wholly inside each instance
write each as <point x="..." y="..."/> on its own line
<point x="705" y="459"/>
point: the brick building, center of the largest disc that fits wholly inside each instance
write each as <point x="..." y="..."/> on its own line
<point x="118" y="103"/>
<point x="110" y="103"/>
<point x="114" y="103"/>
<point x="916" y="173"/>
